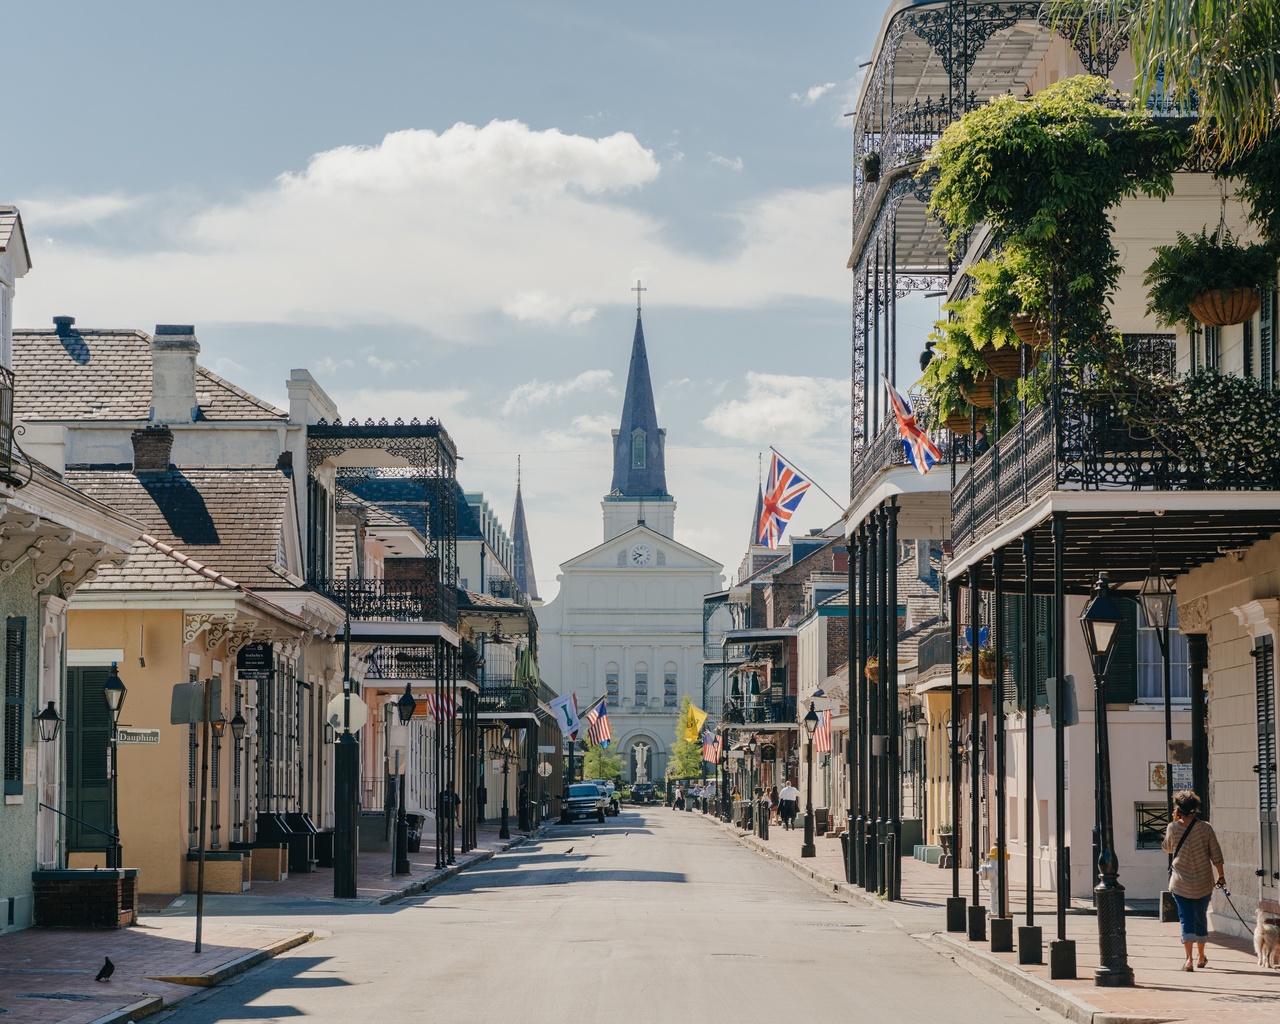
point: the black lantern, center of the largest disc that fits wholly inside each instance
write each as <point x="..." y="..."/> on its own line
<point x="809" y="849"/>
<point x="1100" y="621"/>
<point x="114" y="691"/>
<point x="406" y="705"/>
<point x="753" y="745"/>
<point x="755" y="684"/>
<point x="218" y="725"/>
<point x="49" y="722"/>
<point x="238" y="726"/>
<point x="1157" y="599"/>
<point x="735" y="690"/>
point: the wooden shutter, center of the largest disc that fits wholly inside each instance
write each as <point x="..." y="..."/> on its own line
<point x="1122" y="672"/>
<point x="15" y="703"/>
<point x="1014" y="663"/>
<point x="1267" y="340"/>
<point x="88" y="738"/>
<point x="1043" y="611"/>
<point x="1265" y="673"/>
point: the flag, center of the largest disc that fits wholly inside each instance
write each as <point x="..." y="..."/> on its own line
<point x="822" y="734"/>
<point x="597" y="719"/>
<point x="921" y="451"/>
<point x="782" y="493"/>
<point x="565" y="708"/>
<point x="693" y="724"/>
<point x="710" y="746"/>
<point x="441" y="706"/>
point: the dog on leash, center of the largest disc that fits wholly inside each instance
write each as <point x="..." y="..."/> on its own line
<point x="1266" y="940"/>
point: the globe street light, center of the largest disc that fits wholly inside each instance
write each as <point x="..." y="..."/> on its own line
<point x="810" y="725"/>
<point x="1100" y="621"/>
<point x="1156" y="598"/>
<point x="113" y="692"/>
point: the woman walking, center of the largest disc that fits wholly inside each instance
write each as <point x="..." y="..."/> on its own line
<point x="1196" y="855"/>
<point x="773" y="806"/>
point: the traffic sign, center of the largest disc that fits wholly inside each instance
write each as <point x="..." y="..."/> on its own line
<point x="544" y="769"/>
<point x="357" y="716"/>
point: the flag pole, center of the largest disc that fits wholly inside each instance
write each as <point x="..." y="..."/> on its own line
<point x="840" y="505"/>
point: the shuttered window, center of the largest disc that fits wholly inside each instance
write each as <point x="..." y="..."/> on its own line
<point x="1264" y="654"/>
<point x="15" y="674"/>
<point x="1267" y="339"/>
<point x="1018" y="666"/>
<point x="88" y="731"/>
<point x="1122" y="672"/>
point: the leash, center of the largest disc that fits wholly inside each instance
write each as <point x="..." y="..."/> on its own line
<point x="1227" y="893"/>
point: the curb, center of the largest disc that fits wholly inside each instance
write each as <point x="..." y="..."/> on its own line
<point x="239" y="965"/>
<point x="144" y="1007"/>
<point x="417" y="888"/>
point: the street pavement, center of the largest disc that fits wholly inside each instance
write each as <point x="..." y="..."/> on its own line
<point x="652" y="916"/>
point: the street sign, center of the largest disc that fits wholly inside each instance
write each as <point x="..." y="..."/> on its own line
<point x="187" y="703"/>
<point x="546" y="748"/>
<point x="359" y="713"/>
<point x="544" y="769"/>
<point x="125" y="734"/>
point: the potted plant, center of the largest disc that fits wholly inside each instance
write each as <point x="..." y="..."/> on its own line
<point x="945" y="839"/>
<point x="1214" y="279"/>
<point x="956" y="376"/>
<point x="872" y="670"/>
<point x="869" y="164"/>
<point x="987" y="662"/>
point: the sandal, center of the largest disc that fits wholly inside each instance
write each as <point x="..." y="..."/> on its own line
<point x="1203" y="962"/>
<point x="1187" y="966"/>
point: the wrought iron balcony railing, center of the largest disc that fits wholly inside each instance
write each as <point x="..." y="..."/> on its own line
<point x="6" y="423"/>
<point x="504" y="695"/>
<point x="885" y="449"/>
<point x="503" y="587"/>
<point x="392" y="600"/>
<point x="760" y="711"/>
<point x="1091" y="445"/>
<point x="934" y="651"/>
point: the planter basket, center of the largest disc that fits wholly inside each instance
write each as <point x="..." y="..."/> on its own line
<point x="1219" y="308"/>
<point x="1005" y="362"/>
<point x="872" y="671"/>
<point x="982" y="393"/>
<point x="987" y="664"/>
<point x="958" y="422"/>
<point x="1031" y="330"/>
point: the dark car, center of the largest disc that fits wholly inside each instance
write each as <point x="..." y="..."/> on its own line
<point x="643" y="793"/>
<point x="585" y="800"/>
<point x="609" y="792"/>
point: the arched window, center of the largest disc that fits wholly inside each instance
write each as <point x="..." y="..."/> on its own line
<point x="637" y="449"/>
<point x="611" y="683"/>
<point x="642" y="685"/>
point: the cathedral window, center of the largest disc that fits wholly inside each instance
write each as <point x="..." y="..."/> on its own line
<point x="637" y="450"/>
<point x="642" y="687"/>
<point x="669" y="698"/>
<point x="611" y="688"/>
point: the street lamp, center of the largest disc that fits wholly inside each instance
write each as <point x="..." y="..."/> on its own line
<point x="810" y="725"/>
<point x="1100" y="621"/>
<point x="1156" y="597"/>
<point x="507" y="739"/>
<point x="753" y="747"/>
<point x="49" y="722"/>
<point x="406" y="705"/>
<point x="238" y="727"/>
<point x="113" y="692"/>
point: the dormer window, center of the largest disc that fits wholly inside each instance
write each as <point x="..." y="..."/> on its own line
<point x="637" y="449"/>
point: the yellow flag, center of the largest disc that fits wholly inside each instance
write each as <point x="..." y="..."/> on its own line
<point x="693" y="723"/>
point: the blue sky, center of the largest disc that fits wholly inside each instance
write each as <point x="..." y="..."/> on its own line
<point x="439" y="210"/>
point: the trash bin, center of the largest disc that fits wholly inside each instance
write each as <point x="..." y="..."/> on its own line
<point x="416" y="821"/>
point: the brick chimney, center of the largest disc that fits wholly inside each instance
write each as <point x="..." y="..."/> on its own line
<point x="151" y="449"/>
<point x="173" y="373"/>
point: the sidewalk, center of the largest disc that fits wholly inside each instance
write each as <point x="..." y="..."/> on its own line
<point x="1233" y="988"/>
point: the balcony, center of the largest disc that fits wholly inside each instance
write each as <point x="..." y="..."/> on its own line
<point x="934" y="652"/>
<point x="764" y="711"/>
<point x="886" y="451"/>
<point x="502" y="695"/>
<point x="503" y="587"/>
<point x="6" y="425"/>
<point x="370" y="601"/>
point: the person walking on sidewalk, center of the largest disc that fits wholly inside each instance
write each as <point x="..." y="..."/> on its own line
<point x="788" y="805"/>
<point x="1196" y="855"/>
<point x="773" y="806"/>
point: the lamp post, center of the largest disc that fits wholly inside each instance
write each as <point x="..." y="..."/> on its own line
<point x="48" y="722"/>
<point x="725" y="809"/>
<point x="1156" y="598"/>
<point x="405" y="707"/>
<point x="753" y="747"/>
<point x="113" y="692"/>
<point x="809" y="849"/>
<point x="238" y="727"/>
<point x="1100" y="621"/>
<point x="219" y="727"/>
<point x="505" y="831"/>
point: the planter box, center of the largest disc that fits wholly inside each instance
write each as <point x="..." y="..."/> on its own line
<point x="223" y="872"/>
<point x="77" y="898"/>
<point x="270" y="863"/>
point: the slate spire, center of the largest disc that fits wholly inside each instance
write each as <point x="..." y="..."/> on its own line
<point x="639" y="463"/>
<point x="526" y="578"/>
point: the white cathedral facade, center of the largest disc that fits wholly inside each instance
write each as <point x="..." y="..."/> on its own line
<point x="627" y="622"/>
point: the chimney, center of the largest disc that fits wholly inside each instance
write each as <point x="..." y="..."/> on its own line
<point x="151" y="449"/>
<point x="63" y="325"/>
<point x="173" y="373"/>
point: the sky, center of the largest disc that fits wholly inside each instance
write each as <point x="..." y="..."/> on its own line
<point x="440" y="210"/>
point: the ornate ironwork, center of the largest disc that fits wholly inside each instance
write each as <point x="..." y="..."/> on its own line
<point x="762" y="711"/>
<point x="886" y="449"/>
<point x="403" y="661"/>
<point x="504" y="695"/>
<point x="1098" y="44"/>
<point x="6" y="426"/>
<point x="391" y="600"/>
<point x="958" y="32"/>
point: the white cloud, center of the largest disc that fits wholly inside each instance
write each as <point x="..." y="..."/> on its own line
<point x="327" y="366"/>
<point x="439" y="231"/>
<point x="813" y="94"/>
<point x="538" y="392"/>
<point x="76" y="210"/>
<point x="583" y="432"/>
<point x="734" y="164"/>
<point x="778" y="407"/>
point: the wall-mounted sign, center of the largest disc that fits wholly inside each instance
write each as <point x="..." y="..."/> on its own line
<point x="253" y="661"/>
<point x="1156" y="776"/>
<point x="126" y="734"/>
<point x="187" y="704"/>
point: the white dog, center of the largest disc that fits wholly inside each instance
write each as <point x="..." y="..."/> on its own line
<point x="1266" y="940"/>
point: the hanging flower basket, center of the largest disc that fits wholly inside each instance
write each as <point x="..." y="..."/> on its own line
<point x="986" y="663"/>
<point x="982" y="392"/>
<point x="1005" y="362"/>
<point x="964" y="664"/>
<point x="1221" y="307"/>
<point x="958" y="422"/>
<point x="872" y="670"/>
<point x="1031" y="330"/>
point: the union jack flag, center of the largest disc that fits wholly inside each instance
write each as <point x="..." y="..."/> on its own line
<point x="782" y="494"/>
<point x="921" y="451"/>
<point x="822" y="734"/>
<point x="597" y="720"/>
<point x="441" y="706"/>
<point x="710" y="746"/>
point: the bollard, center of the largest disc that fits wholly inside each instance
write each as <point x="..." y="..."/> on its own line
<point x="763" y="814"/>
<point x="1002" y="935"/>
<point x="978" y="923"/>
<point x="955" y="913"/>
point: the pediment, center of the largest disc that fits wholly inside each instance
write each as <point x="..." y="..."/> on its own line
<point x="665" y="553"/>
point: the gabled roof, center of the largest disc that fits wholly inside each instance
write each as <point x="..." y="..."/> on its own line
<point x="230" y="519"/>
<point x="13" y="240"/>
<point x="625" y="540"/>
<point x="106" y="375"/>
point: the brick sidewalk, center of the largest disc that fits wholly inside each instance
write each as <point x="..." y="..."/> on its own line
<point x="1233" y="988"/>
<point x="46" y="975"/>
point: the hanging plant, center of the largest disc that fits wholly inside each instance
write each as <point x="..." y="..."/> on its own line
<point x="1213" y="279"/>
<point x="872" y="670"/>
<point x="869" y="164"/>
<point x="961" y="422"/>
<point x="987" y="662"/>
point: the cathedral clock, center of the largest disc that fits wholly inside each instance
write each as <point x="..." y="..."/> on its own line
<point x="641" y="554"/>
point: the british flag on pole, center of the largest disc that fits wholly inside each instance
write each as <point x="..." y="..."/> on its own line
<point x="782" y="494"/>
<point x="921" y="451"/>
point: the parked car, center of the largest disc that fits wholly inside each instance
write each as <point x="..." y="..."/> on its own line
<point x="643" y="793"/>
<point x="585" y="800"/>
<point x="610" y="794"/>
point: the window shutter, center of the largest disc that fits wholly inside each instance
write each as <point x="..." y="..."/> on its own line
<point x="15" y="674"/>
<point x="1264" y="654"/>
<point x="1122" y="673"/>
<point x="1043" y="611"/>
<point x="1011" y="642"/>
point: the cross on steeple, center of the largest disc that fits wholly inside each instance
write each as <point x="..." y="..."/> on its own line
<point x="637" y="289"/>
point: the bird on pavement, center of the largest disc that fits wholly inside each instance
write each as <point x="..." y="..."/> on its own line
<point x="568" y="851"/>
<point x="107" y="970"/>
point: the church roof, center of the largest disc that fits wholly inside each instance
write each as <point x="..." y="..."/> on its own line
<point x="522" y="570"/>
<point x="633" y="476"/>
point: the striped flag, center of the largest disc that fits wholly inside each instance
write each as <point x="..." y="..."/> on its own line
<point x="710" y="746"/>
<point x="920" y="450"/>
<point x="782" y="494"/>
<point x="822" y="734"/>
<point x="441" y="706"/>
<point x="597" y="719"/>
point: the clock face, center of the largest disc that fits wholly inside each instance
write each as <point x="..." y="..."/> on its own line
<point x="641" y="554"/>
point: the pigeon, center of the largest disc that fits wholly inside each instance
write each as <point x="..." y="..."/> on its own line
<point x="107" y="970"/>
<point x="568" y="851"/>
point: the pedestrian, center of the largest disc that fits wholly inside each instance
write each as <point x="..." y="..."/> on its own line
<point x="1196" y="855"/>
<point x="678" y="803"/>
<point x="788" y="805"/>
<point x="773" y="806"/>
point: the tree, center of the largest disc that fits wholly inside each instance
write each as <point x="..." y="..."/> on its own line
<point x="686" y="755"/>
<point x="598" y="763"/>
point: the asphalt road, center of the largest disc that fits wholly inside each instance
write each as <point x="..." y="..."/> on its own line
<point x="653" y="916"/>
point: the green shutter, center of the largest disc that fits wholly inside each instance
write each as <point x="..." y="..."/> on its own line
<point x="1122" y="672"/>
<point x="1011" y="642"/>
<point x="1043" y="610"/>
<point x="88" y="731"/>
<point x="1269" y="835"/>
<point x="15" y="703"/>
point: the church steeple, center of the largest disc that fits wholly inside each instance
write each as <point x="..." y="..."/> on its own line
<point x="639" y="463"/>
<point x="526" y="579"/>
